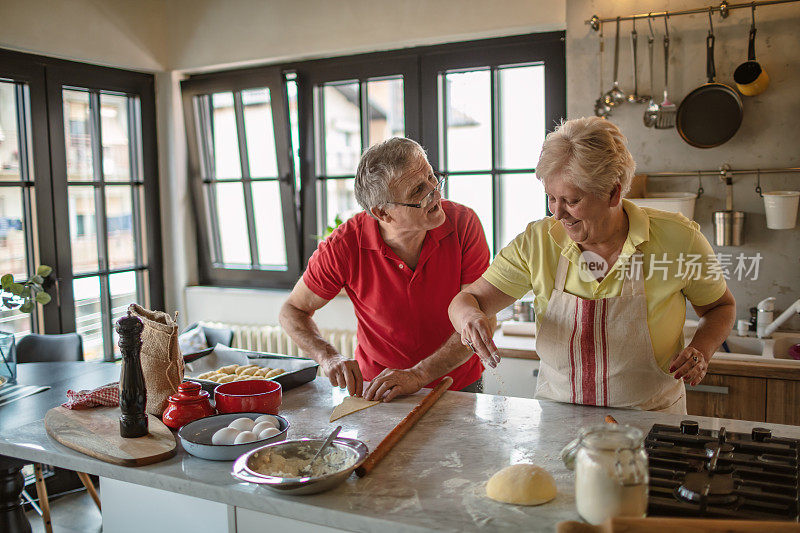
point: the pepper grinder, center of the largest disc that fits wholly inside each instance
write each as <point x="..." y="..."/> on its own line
<point x="132" y="392"/>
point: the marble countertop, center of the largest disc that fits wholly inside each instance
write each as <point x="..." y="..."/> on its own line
<point x="434" y="478"/>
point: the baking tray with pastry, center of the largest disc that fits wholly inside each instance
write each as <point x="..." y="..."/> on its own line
<point x="225" y="364"/>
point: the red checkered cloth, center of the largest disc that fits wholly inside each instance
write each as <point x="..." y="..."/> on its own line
<point x="107" y="395"/>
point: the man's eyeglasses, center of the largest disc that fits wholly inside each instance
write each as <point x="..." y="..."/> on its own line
<point x="429" y="198"/>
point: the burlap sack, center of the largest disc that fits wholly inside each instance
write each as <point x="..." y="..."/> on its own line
<point x="162" y="362"/>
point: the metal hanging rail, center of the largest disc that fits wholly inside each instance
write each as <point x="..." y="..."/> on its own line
<point x="722" y="171"/>
<point x="724" y="10"/>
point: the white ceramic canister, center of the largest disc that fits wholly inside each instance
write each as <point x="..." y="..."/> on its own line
<point x="611" y="473"/>
<point x="781" y="208"/>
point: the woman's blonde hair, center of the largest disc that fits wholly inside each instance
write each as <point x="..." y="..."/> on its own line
<point x="589" y="153"/>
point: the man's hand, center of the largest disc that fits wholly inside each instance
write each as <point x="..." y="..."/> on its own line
<point x="343" y="373"/>
<point x="392" y="383"/>
<point x="690" y="364"/>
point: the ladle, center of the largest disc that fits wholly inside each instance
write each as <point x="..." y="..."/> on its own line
<point x="615" y="96"/>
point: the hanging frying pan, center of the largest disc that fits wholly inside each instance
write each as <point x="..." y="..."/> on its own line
<point x="751" y="79"/>
<point x="712" y="113"/>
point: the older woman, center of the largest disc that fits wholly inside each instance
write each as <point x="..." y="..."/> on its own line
<point x="610" y="281"/>
<point x="401" y="261"/>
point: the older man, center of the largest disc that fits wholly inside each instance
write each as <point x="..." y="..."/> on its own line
<point x="401" y="262"/>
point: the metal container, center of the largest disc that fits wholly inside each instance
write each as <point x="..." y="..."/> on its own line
<point x="355" y="449"/>
<point x="728" y="228"/>
<point x="523" y="311"/>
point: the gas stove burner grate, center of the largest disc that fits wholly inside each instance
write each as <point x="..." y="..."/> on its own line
<point x="722" y="474"/>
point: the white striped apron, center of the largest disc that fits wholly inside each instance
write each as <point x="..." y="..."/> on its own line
<point x="598" y="352"/>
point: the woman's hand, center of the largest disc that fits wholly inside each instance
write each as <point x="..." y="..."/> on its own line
<point x="392" y="383"/>
<point x="690" y="365"/>
<point x="343" y="373"/>
<point x="476" y="332"/>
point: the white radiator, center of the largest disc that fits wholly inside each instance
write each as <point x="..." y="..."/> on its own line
<point x="273" y="339"/>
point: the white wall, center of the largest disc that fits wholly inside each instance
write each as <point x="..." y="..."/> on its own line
<point x="116" y="33"/>
<point x="767" y="137"/>
<point x="210" y="33"/>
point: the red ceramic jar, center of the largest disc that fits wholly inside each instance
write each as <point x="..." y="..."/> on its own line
<point x="187" y="405"/>
<point x="249" y="396"/>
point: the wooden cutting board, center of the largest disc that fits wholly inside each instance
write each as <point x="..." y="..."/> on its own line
<point x="95" y="432"/>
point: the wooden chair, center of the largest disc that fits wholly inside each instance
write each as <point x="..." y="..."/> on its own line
<point x="35" y="348"/>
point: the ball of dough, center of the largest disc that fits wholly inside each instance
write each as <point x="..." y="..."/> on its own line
<point x="522" y="484"/>
<point x="245" y="437"/>
<point x="242" y="424"/>
<point x="269" y="418"/>
<point x="268" y="432"/>
<point x="225" y="436"/>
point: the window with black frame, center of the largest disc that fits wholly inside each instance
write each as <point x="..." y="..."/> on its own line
<point x="17" y="197"/>
<point x="242" y="180"/>
<point x="481" y="109"/>
<point x="79" y="192"/>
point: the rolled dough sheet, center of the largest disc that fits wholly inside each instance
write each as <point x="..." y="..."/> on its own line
<point x="350" y="405"/>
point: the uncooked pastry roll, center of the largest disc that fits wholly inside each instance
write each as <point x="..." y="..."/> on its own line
<point x="273" y="373"/>
<point x="227" y="378"/>
<point x="241" y="369"/>
<point x="230" y="369"/>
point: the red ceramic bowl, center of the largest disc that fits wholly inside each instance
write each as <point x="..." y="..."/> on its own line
<point x="251" y="396"/>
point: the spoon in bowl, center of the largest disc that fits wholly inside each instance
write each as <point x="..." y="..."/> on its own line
<point x="306" y="470"/>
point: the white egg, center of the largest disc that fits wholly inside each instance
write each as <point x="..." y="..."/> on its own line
<point x="225" y="436"/>
<point x="242" y="424"/>
<point x="261" y="426"/>
<point x="245" y="436"/>
<point x="269" y="418"/>
<point x="267" y="433"/>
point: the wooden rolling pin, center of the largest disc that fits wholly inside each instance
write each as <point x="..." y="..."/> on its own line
<point x="402" y="428"/>
<point x="670" y="525"/>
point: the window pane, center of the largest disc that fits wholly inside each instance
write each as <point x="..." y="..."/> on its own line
<point x="340" y="201"/>
<point x="123" y="293"/>
<point x="13" y="251"/>
<point x="386" y="110"/>
<point x="294" y="128"/>
<point x="83" y="229"/>
<point x="119" y="223"/>
<point x="232" y="224"/>
<point x="88" y="316"/>
<point x="115" y="137"/>
<point x="522" y="200"/>
<point x="342" y="128"/>
<point x="9" y="146"/>
<point x="226" y="141"/>
<point x="260" y="134"/>
<point x="15" y="322"/>
<point x="468" y="109"/>
<point x="269" y="224"/>
<point x="474" y="191"/>
<point x="78" y="135"/>
<point x="522" y="122"/>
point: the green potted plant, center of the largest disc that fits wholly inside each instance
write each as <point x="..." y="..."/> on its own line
<point x="23" y="296"/>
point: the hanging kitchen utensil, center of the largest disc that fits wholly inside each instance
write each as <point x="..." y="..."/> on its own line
<point x="666" y="110"/>
<point x="751" y="79"/>
<point x="712" y="113"/>
<point x="651" y="111"/>
<point x="728" y="224"/>
<point x="635" y="98"/>
<point x="615" y="96"/>
<point x="601" y="109"/>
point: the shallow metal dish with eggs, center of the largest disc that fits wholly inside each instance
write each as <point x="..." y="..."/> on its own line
<point x="355" y="449"/>
<point x="196" y="436"/>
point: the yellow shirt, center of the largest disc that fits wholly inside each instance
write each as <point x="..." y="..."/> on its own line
<point x="678" y="264"/>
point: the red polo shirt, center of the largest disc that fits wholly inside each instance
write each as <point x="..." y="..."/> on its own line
<point x="402" y="313"/>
